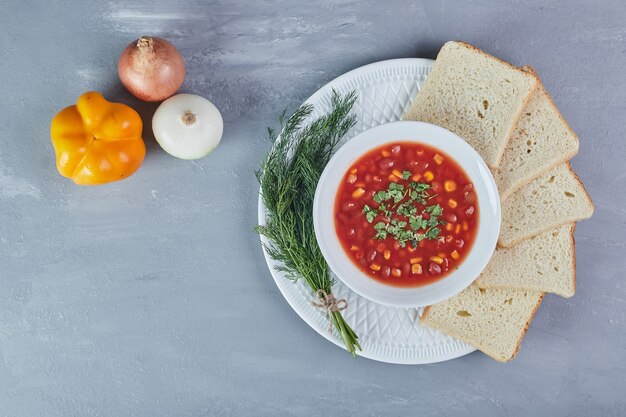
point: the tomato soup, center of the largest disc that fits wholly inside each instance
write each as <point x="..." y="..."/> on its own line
<point x="406" y="214"/>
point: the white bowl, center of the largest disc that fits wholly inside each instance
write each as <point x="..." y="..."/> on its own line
<point x="488" y="222"/>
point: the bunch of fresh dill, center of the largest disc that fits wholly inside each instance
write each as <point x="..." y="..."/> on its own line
<point x="288" y="176"/>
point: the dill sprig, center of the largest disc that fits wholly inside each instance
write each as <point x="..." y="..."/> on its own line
<point x="288" y="176"/>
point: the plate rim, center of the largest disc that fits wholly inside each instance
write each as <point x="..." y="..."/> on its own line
<point x="282" y="282"/>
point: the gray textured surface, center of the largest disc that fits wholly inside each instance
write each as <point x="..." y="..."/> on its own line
<point x="150" y="297"/>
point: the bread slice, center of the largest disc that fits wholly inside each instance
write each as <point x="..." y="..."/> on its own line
<point x="544" y="263"/>
<point x="476" y="96"/>
<point x="550" y="200"/>
<point x="493" y="321"/>
<point x="541" y="140"/>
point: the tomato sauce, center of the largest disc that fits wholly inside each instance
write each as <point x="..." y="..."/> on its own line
<point x="406" y="214"/>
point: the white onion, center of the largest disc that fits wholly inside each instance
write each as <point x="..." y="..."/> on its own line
<point x="187" y="126"/>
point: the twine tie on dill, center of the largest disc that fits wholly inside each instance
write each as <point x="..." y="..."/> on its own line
<point x="328" y="302"/>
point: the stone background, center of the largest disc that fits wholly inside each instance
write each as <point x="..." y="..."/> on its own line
<point x="150" y="297"/>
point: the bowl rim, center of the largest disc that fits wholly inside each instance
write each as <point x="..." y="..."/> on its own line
<point x="467" y="158"/>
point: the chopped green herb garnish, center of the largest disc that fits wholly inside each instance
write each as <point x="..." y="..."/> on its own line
<point x="435" y="210"/>
<point x="432" y="233"/>
<point x="370" y="213"/>
<point x="403" y="209"/>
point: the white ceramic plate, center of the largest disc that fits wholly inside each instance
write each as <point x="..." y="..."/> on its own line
<point x="388" y="334"/>
<point x="453" y="147"/>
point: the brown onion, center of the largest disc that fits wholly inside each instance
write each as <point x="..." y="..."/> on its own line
<point x="151" y="68"/>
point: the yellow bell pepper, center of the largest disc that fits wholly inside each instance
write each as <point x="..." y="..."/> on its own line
<point x="97" y="141"/>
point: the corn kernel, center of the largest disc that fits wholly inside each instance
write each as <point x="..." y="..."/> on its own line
<point x="465" y="226"/>
<point x="415" y="260"/>
<point x="397" y="173"/>
<point x="387" y="254"/>
<point x="396" y="272"/>
<point x="436" y="259"/>
<point x="455" y="255"/>
<point x="449" y="227"/>
<point x="353" y="171"/>
<point x="441" y="255"/>
<point x="385" y="153"/>
<point x="352" y="178"/>
<point x="438" y="159"/>
<point x="428" y="176"/>
<point x="416" y="177"/>
<point x="449" y="186"/>
<point x="416" y="269"/>
<point x="374" y="267"/>
<point x="452" y="203"/>
<point x="354" y="248"/>
<point x="420" y="151"/>
<point x="392" y="178"/>
<point x="457" y="229"/>
<point x="358" y="193"/>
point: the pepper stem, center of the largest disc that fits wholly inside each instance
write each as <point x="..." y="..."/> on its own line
<point x="188" y="118"/>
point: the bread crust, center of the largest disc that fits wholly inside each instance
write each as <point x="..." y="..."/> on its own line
<point x="525" y="329"/>
<point x="593" y="207"/>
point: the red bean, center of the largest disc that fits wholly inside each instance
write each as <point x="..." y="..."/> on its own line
<point x="450" y="217"/>
<point x="459" y="243"/>
<point x="351" y="232"/>
<point x="422" y="166"/>
<point x="348" y="205"/>
<point x="359" y="254"/>
<point x="368" y="177"/>
<point x="469" y="210"/>
<point x="385" y="271"/>
<point x="386" y="163"/>
<point x="371" y="255"/>
<point x="426" y="216"/>
<point x="468" y="188"/>
<point x="470" y="198"/>
<point x="434" y="269"/>
<point x="395" y="149"/>
<point x="343" y="217"/>
<point x="406" y="268"/>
